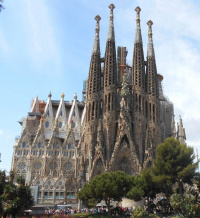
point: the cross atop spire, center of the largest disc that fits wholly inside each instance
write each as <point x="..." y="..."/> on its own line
<point x="150" y="49"/>
<point x="111" y="33"/>
<point x="138" y="35"/>
<point x="96" y="46"/>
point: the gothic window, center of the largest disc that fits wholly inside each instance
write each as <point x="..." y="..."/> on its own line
<point x="74" y="125"/>
<point x="124" y="161"/>
<point x="70" y="195"/>
<point x="55" y="173"/>
<point x="66" y="174"/>
<point x="24" y="144"/>
<point x="68" y="166"/>
<point x="37" y="165"/>
<point x="47" y="124"/>
<point x="24" y="174"/>
<point x="60" y="124"/>
<point x="59" y="195"/>
<point x="61" y="114"/>
<point x="99" y="163"/>
<point x="69" y="146"/>
<point x="33" y="174"/>
<point x="53" y="165"/>
<point x="39" y="145"/>
<point x="21" y="166"/>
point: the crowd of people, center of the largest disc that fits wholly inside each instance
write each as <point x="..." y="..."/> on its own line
<point x="72" y="211"/>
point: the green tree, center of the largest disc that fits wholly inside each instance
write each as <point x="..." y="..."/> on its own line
<point x="14" y="198"/>
<point x="106" y="186"/>
<point x="143" y="186"/>
<point x="188" y="206"/>
<point x="139" y="212"/>
<point x="174" y="163"/>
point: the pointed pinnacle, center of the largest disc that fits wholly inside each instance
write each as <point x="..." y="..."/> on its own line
<point x="138" y="9"/>
<point x="150" y="23"/>
<point x="111" y="6"/>
<point x="62" y="95"/>
<point x="97" y="18"/>
<point x="50" y="95"/>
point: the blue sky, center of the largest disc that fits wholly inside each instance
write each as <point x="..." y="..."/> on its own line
<point x="45" y="45"/>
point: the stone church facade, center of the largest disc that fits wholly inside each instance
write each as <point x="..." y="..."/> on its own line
<point x="123" y="118"/>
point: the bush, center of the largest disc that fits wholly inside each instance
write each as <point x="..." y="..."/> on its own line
<point x="139" y="212"/>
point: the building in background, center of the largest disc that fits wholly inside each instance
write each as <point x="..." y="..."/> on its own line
<point x="122" y="118"/>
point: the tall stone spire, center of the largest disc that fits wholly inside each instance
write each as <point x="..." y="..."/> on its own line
<point x="138" y="70"/>
<point x="96" y="45"/>
<point x="138" y="89"/>
<point x="150" y="48"/>
<point x="110" y="65"/>
<point x="152" y="78"/>
<point x="152" y="90"/>
<point x="173" y="128"/>
<point x="181" y="136"/>
<point x="138" y="35"/>
<point x="111" y="33"/>
<point x="110" y="90"/>
<point x="94" y="79"/>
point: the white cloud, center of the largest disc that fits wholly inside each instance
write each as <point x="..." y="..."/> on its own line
<point x="177" y="47"/>
<point x="42" y="43"/>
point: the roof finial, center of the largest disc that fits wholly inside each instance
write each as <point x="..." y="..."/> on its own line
<point x="50" y="95"/>
<point x="138" y="9"/>
<point x="138" y="35"/>
<point x="111" y="6"/>
<point x="150" y="49"/>
<point x="150" y="23"/>
<point x="75" y="96"/>
<point x="97" y="18"/>
<point x="111" y="34"/>
<point x="62" y="95"/>
<point x="96" y="46"/>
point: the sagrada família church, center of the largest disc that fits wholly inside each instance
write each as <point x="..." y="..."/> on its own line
<point x="122" y="118"/>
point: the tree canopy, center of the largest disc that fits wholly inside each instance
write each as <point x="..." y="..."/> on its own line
<point x="174" y="163"/>
<point x="106" y="186"/>
<point x="14" y="198"/>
